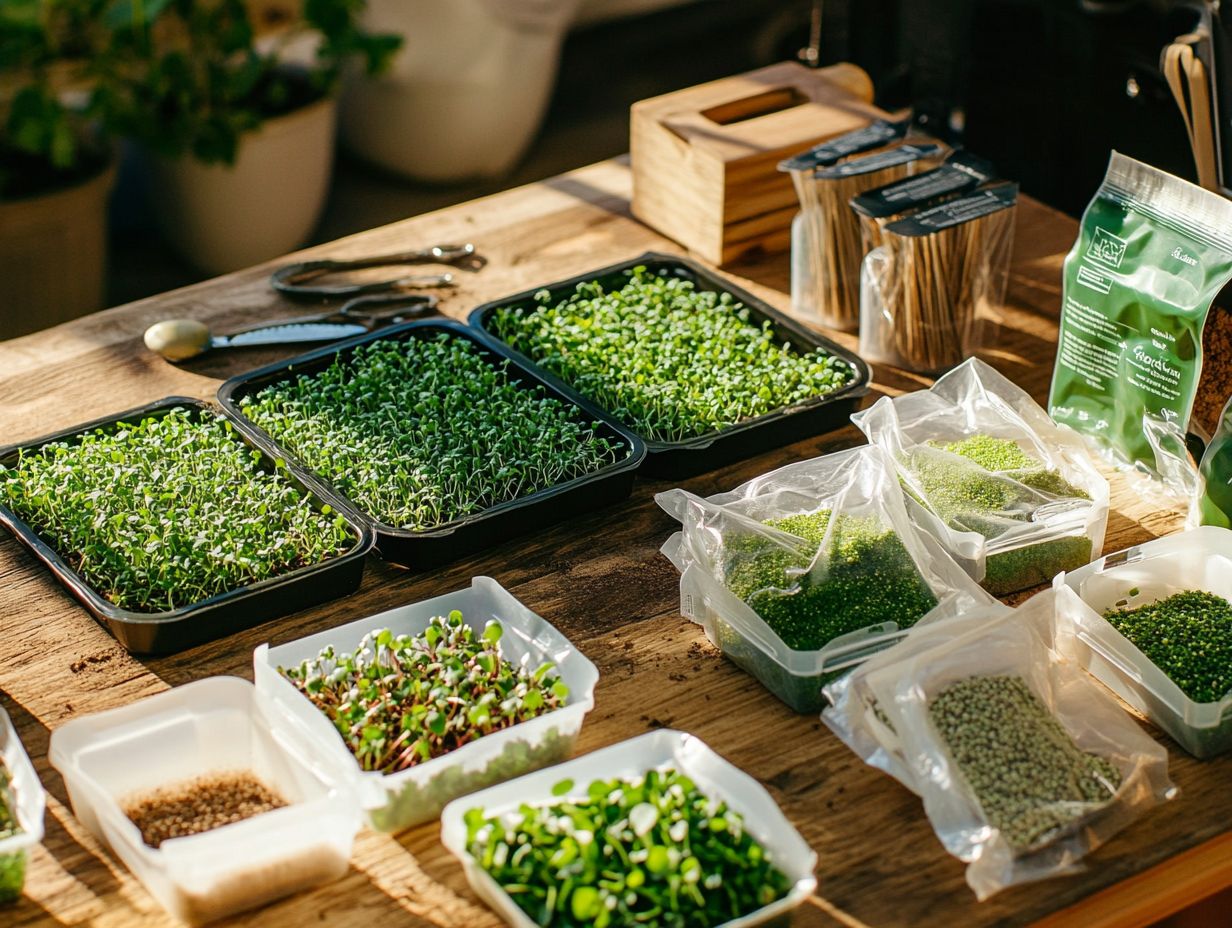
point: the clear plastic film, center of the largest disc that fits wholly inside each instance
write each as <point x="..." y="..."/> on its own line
<point x="803" y="572"/>
<point x="1014" y="498"/>
<point x="933" y="284"/>
<point x="853" y="711"/>
<point x="826" y="245"/>
<point x="1025" y="764"/>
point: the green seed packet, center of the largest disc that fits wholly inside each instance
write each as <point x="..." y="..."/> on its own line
<point x="1152" y="252"/>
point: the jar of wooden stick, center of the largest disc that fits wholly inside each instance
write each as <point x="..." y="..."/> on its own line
<point x="826" y="247"/>
<point x="931" y="292"/>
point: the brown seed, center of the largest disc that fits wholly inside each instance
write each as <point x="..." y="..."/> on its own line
<point x="202" y="804"/>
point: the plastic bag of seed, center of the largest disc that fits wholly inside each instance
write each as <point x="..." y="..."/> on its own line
<point x="802" y="573"/>
<point x="853" y="711"/>
<point x="1024" y="762"/>
<point x="1014" y="498"/>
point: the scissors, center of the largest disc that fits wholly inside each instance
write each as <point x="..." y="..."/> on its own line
<point x="181" y="339"/>
<point x="299" y="280"/>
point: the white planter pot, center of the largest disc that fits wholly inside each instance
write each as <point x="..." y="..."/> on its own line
<point x="467" y="92"/>
<point x="53" y="256"/>
<point x="225" y="217"/>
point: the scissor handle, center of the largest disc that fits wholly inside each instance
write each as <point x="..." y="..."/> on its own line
<point x="295" y="280"/>
<point x="391" y="306"/>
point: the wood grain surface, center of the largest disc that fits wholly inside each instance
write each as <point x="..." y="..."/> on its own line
<point x="598" y="577"/>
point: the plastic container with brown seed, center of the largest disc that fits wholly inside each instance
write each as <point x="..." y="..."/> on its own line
<point x="208" y="802"/>
<point x="826" y="247"/>
<point x="199" y="805"/>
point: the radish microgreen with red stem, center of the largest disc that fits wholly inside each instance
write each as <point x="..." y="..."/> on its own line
<point x="401" y="700"/>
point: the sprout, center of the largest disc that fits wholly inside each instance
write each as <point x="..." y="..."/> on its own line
<point x="630" y="876"/>
<point x="430" y="693"/>
<point x="420" y="432"/>
<point x="669" y="360"/>
<point x="169" y="511"/>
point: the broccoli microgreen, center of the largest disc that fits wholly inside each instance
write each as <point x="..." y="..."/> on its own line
<point x="422" y="431"/>
<point x="667" y="359"/>
<point x="168" y="511"/>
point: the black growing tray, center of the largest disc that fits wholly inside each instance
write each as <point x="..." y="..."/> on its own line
<point x="453" y="540"/>
<point x="207" y="619"/>
<point x="744" y="439"/>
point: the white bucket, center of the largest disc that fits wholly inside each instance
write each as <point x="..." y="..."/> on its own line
<point x="467" y="92"/>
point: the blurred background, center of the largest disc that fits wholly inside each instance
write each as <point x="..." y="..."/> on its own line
<point x="221" y="116"/>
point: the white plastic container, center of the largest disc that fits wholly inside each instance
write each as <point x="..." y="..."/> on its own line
<point x="397" y="801"/>
<point x="210" y="726"/>
<point x="30" y="800"/>
<point x="1200" y="559"/>
<point x="658" y="750"/>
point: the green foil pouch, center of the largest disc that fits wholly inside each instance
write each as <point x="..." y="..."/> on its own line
<point x="1152" y="253"/>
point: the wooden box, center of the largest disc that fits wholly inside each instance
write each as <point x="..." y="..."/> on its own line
<point x="705" y="158"/>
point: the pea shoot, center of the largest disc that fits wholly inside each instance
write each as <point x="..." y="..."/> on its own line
<point x="402" y="700"/>
<point x="423" y="431"/>
<point x="653" y="851"/>
<point x="168" y="511"/>
<point x="1188" y="636"/>
<point x="669" y="360"/>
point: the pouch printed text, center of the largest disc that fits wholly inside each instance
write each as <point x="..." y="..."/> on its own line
<point x="1152" y="253"/>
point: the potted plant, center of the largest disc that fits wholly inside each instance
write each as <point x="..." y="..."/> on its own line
<point x="467" y="99"/>
<point x="233" y="105"/>
<point x="55" y="169"/>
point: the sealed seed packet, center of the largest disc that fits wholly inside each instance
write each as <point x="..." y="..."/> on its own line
<point x="1152" y="253"/>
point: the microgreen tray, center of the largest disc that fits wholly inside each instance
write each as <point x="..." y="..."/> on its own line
<point x="462" y="536"/>
<point x="218" y="615"/>
<point x="744" y="439"/>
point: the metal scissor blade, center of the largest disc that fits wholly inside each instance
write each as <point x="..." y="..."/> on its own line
<point x="289" y="333"/>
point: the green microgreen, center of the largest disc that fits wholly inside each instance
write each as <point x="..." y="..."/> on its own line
<point x="168" y="511"/>
<point x="8" y="804"/>
<point x="810" y="596"/>
<point x="12" y="866"/>
<point x="1004" y="490"/>
<point x="669" y="360"/>
<point x="1188" y="636"/>
<point x="653" y="851"/>
<point x="422" y="431"/>
<point x="399" y="701"/>
<point x="1026" y="772"/>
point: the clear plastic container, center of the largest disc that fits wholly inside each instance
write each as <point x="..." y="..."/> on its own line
<point x="858" y="482"/>
<point x="210" y="726"/>
<point x="30" y="801"/>
<point x="397" y="801"/>
<point x="659" y="750"/>
<point x="1200" y="559"/>
<point x="1040" y="534"/>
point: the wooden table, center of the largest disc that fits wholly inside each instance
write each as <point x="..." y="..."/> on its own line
<point x="599" y="578"/>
